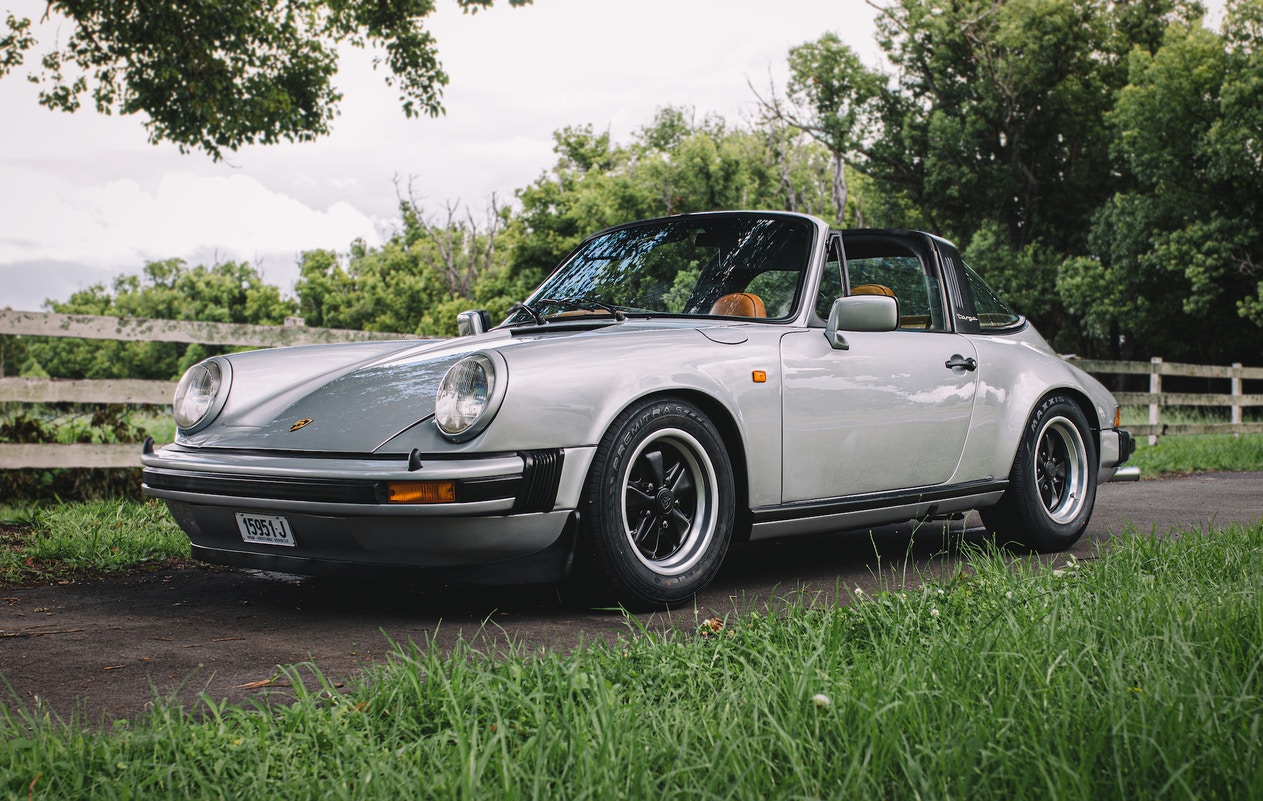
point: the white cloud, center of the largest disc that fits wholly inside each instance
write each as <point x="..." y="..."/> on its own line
<point x="120" y="220"/>
<point x="88" y="198"/>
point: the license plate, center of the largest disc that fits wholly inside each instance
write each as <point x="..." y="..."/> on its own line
<point x="265" y="529"/>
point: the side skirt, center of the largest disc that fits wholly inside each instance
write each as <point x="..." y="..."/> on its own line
<point x="873" y="509"/>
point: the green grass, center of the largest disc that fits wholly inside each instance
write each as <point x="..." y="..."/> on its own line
<point x="1189" y="415"/>
<point x="159" y="425"/>
<point x="1198" y="453"/>
<point x="1135" y="675"/>
<point x="68" y="540"/>
<point x="1194" y="453"/>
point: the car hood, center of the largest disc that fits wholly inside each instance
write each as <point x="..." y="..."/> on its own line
<point x="329" y="398"/>
<point x="355" y="398"/>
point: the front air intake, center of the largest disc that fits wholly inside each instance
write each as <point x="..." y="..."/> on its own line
<point x="541" y="473"/>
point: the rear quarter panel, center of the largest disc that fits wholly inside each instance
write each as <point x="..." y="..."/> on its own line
<point x="1014" y="372"/>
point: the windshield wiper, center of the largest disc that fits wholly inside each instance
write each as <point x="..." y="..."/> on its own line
<point x="586" y="304"/>
<point x="536" y="316"/>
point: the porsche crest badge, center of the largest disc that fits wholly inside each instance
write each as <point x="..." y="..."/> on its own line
<point x="300" y="424"/>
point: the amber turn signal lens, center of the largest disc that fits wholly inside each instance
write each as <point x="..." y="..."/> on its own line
<point x="760" y="376"/>
<point x="1118" y="416"/>
<point x="421" y="492"/>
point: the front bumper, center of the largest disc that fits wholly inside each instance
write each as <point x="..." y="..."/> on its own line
<point x="509" y="509"/>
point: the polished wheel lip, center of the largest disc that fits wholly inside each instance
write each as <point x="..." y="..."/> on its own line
<point x="1060" y="461"/>
<point x="689" y="504"/>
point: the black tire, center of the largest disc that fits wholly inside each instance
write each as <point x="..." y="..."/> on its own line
<point x="1052" y="486"/>
<point x="657" y="508"/>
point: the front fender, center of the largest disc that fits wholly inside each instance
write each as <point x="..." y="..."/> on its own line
<point x="568" y="392"/>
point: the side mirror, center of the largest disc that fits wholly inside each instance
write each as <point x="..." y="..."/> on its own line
<point x="473" y="322"/>
<point x="860" y="313"/>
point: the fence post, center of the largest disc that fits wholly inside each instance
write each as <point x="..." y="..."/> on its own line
<point x="1155" y="388"/>
<point x="1236" y="395"/>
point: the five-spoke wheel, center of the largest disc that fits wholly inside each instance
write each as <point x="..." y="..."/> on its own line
<point x="658" y="506"/>
<point x="1061" y="469"/>
<point x="1052" y="486"/>
<point x="670" y="501"/>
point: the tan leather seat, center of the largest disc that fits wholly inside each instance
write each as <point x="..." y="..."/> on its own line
<point x="739" y="304"/>
<point x="872" y="289"/>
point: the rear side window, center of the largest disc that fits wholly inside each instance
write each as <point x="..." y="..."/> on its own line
<point x="903" y="277"/>
<point x="993" y="313"/>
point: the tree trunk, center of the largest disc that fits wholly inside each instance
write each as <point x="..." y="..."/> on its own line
<point x="839" y="186"/>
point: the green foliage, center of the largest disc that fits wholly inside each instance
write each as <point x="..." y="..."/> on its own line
<point x="1025" y="277"/>
<point x="833" y="99"/>
<point x="15" y="43"/>
<point x="215" y="76"/>
<point x="997" y="130"/>
<point x="1174" y="257"/>
<point x="1097" y="160"/>
<point x="675" y="165"/>
<point x="417" y="282"/>
<point x="829" y="81"/>
<point x="69" y="424"/>
<point x="232" y="292"/>
<point x="998" y="115"/>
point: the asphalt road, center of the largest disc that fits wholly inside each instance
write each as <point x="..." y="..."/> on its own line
<point x="106" y="648"/>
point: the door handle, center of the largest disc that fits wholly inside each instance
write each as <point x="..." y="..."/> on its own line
<point x="958" y="362"/>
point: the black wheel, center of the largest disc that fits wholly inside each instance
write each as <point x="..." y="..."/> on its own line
<point x="1052" y="486"/>
<point x="657" y="509"/>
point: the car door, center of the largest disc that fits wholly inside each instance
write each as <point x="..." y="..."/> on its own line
<point x="893" y="410"/>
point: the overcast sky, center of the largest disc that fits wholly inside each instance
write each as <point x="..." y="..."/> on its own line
<point x="85" y="197"/>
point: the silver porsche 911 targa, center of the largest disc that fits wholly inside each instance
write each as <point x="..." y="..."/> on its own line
<point x="675" y="386"/>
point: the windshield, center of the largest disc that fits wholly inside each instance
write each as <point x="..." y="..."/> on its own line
<point x="739" y="265"/>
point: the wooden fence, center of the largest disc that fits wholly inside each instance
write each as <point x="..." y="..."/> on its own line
<point x="38" y="390"/>
<point x="1157" y="400"/>
<point x="43" y="390"/>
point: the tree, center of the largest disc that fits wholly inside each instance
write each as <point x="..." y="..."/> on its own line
<point x="832" y="98"/>
<point x="1238" y="139"/>
<point x="999" y="113"/>
<point x="1174" y="257"/>
<point x="466" y="248"/>
<point x="996" y="128"/>
<point x="417" y="282"/>
<point x="215" y="75"/>
<point x="673" y="165"/>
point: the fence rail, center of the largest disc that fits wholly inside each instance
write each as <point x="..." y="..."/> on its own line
<point x="132" y="391"/>
<point x="48" y="457"/>
<point x="112" y="390"/>
<point x="131" y="329"/>
<point x="1157" y="400"/>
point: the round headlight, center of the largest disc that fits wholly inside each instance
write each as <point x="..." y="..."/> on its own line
<point x="469" y="395"/>
<point x="200" y="394"/>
